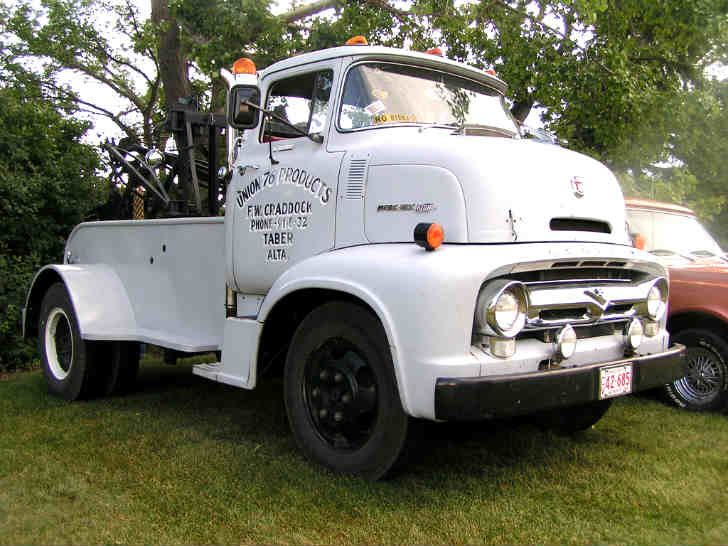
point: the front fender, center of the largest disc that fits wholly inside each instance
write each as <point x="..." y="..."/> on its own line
<point x="424" y="300"/>
<point x="98" y="296"/>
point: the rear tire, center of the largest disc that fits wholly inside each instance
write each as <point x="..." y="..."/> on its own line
<point x="341" y="394"/>
<point x="67" y="360"/>
<point x="121" y="368"/>
<point x="573" y="419"/>
<point x="704" y="388"/>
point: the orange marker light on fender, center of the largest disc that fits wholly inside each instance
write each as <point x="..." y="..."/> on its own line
<point x="357" y="40"/>
<point x="491" y="72"/>
<point x="434" y="51"/>
<point x="429" y="236"/>
<point x="244" y="66"/>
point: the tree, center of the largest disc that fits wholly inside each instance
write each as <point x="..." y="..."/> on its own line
<point x="698" y="171"/>
<point x="608" y="72"/>
<point x="61" y="36"/>
<point x="48" y="183"/>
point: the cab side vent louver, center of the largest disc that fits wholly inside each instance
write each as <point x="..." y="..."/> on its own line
<point x="579" y="224"/>
<point x="356" y="179"/>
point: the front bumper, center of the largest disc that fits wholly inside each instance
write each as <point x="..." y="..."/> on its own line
<point x="475" y="398"/>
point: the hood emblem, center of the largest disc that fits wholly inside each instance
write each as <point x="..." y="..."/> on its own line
<point x="598" y="296"/>
<point x="577" y="186"/>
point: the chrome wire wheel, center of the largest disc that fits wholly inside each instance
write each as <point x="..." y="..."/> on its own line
<point x="705" y="376"/>
<point x="59" y="343"/>
<point x="340" y="394"/>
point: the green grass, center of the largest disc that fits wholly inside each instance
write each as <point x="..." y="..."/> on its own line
<point x="186" y="461"/>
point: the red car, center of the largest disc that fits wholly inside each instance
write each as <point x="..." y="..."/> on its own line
<point x="698" y="304"/>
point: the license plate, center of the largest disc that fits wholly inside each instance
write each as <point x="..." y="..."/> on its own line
<point x="615" y="381"/>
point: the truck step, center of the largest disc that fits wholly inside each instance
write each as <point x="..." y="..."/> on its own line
<point x="208" y="371"/>
<point x="214" y="372"/>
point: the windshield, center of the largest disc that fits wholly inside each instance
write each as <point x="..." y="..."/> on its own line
<point x="665" y="233"/>
<point x="378" y="94"/>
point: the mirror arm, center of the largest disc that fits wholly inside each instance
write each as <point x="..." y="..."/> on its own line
<point x="315" y="137"/>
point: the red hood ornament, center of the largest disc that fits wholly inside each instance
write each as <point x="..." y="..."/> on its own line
<point x="577" y="186"/>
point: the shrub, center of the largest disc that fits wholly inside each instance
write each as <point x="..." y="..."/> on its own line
<point x="48" y="182"/>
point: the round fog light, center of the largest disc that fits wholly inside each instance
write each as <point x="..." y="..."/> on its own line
<point x="635" y="333"/>
<point x="566" y="342"/>
<point x="503" y="347"/>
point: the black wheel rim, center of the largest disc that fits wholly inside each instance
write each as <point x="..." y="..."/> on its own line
<point x="705" y="377"/>
<point x="64" y="344"/>
<point x="340" y="394"/>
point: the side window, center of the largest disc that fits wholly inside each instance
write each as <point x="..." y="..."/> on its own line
<point x="301" y="100"/>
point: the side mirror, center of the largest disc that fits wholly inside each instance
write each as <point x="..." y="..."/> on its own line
<point x="240" y="115"/>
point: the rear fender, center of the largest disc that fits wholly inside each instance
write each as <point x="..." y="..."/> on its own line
<point x="98" y="296"/>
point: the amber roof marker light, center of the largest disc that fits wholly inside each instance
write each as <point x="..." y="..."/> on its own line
<point x="244" y="66"/>
<point x="357" y="40"/>
<point x="429" y="236"/>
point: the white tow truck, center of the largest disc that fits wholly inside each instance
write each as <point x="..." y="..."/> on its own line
<point x="395" y="245"/>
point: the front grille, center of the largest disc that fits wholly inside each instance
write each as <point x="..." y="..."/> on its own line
<point x="563" y="273"/>
<point x="556" y="303"/>
<point x="582" y="332"/>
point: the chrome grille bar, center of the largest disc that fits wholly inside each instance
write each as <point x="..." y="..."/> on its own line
<point x="553" y="304"/>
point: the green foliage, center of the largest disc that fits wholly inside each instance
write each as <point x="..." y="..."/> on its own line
<point x="608" y="72"/>
<point x="48" y="183"/>
<point x="698" y="171"/>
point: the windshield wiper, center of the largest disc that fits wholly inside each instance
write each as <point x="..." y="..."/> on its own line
<point x="483" y="130"/>
<point x="439" y="125"/>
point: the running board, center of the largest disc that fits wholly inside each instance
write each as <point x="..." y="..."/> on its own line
<point x="214" y="373"/>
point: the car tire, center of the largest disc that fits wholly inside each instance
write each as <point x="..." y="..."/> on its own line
<point x="573" y="419"/>
<point x="67" y="360"/>
<point x="341" y="394"/>
<point x="705" y="386"/>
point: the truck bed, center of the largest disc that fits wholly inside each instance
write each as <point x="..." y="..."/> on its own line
<point x="173" y="272"/>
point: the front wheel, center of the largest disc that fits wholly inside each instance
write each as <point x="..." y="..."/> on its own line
<point x="65" y="357"/>
<point x="704" y="388"/>
<point x="340" y="392"/>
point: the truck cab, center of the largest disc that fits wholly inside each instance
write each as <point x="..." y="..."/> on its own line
<point x="395" y="247"/>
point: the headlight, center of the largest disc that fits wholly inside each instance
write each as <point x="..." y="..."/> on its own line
<point x="501" y="309"/>
<point x="657" y="299"/>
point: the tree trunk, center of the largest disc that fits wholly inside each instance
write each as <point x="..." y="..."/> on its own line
<point x="172" y="64"/>
<point x="176" y="84"/>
